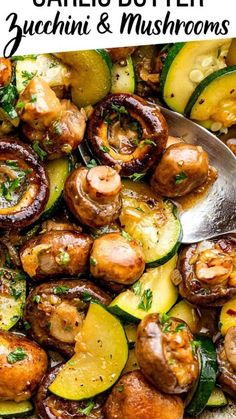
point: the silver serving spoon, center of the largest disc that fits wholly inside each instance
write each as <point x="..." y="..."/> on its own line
<point x="214" y="215"/>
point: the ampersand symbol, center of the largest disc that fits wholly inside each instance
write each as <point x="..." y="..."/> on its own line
<point x="103" y="26"/>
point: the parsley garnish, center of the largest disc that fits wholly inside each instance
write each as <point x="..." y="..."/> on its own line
<point x="119" y="109"/>
<point x="120" y="388"/>
<point x="38" y="150"/>
<point x="88" y="409"/>
<point x="20" y="105"/>
<point x="180" y="177"/>
<point x="146" y="300"/>
<point x="181" y="326"/>
<point x="60" y="289"/>
<point x="27" y="75"/>
<point x="17" y="355"/>
<point x="93" y="261"/>
<point x="104" y="149"/>
<point x="86" y="297"/>
<point x="63" y="258"/>
<point x="147" y="142"/>
<point x="136" y="177"/>
<point x="165" y="322"/>
<point x="137" y="288"/>
<point x="15" y="293"/>
<point x="57" y="128"/>
<point x="27" y="325"/>
<point x="33" y="98"/>
<point x="36" y="299"/>
<point x="92" y="163"/>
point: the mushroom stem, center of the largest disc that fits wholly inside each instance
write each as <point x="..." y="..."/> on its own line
<point x="103" y="183"/>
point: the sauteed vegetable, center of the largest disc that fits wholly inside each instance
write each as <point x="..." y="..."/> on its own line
<point x="103" y="313"/>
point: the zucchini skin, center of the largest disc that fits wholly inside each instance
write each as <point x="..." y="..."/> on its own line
<point x="202" y="86"/>
<point x="207" y="378"/>
<point x="11" y="409"/>
<point x="168" y="256"/>
<point x="173" y="51"/>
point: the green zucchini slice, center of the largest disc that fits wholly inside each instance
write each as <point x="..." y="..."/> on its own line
<point x="58" y="170"/>
<point x="123" y="78"/>
<point x="186" y="65"/>
<point x="217" y="398"/>
<point x="151" y="221"/>
<point x="153" y="293"/>
<point x="46" y="66"/>
<point x="12" y="298"/>
<point x="207" y="377"/>
<point x="214" y="100"/>
<point x="11" y="409"/>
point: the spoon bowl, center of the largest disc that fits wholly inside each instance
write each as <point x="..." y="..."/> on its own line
<point x="215" y="215"/>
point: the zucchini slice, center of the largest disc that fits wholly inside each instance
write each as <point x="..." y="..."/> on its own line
<point x="186" y="65"/>
<point x="123" y="77"/>
<point x="217" y="398"/>
<point x="153" y="293"/>
<point x="46" y="66"/>
<point x="151" y="221"/>
<point x="91" y="81"/>
<point x="11" y="409"/>
<point x="231" y="57"/>
<point x="214" y="100"/>
<point x="58" y="170"/>
<point x="185" y="311"/>
<point x="207" y="377"/>
<point x="12" y="298"/>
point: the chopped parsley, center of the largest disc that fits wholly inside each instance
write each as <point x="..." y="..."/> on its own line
<point x="136" y="177"/>
<point x="119" y="109"/>
<point x="86" y="297"/>
<point x="92" y="163"/>
<point x="38" y="150"/>
<point x="88" y="409"/>
<point x="33" y="98"/>
<point x="165" y="322"/>
<point x="63" y="258"/>
<point x="126" y="236"/>
<point x="139" y="209"/>
<point x="15" y="293"/>
<point x="195" y="344"/>
<point x="20" y="105"/>
<point x="104" y="149"/>
<point x="27" y="76"/>
<point x="36" y="299"/>
<point x="57" y="128"/>
<point x="120" y="388"/>
<point x="27" y="325"/>
<point x="24" y="57"/>
<point x="93" y="261"/>
<point x="137" y="288"/>
<point x="181" y="326"/>
<point x="180" y="177"/>
<point x="60" y="289"/>
<point x="146" y="300"/>
<point x="17" y="355"/>
<point x="147" y="142"/>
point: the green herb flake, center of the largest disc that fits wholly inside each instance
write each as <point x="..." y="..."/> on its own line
<point x="39" y="151"/>
<point x="86" y="297"/>
<point x="180" y="177"/>
<point x="93" y="261"/>
<point x="17" y="355"/>
<point x="146" y="300"/>
<point x="92" y="163"/>
<point x="120" y="388"/>
<point x="136" y="177"/>
<point x="104" y="149"/>
<point x="14" y="319"/>
<point x="33" y="98"/>
<point x="63" y="258"/>
<point x="36" y="299"/>
<point x="147" y="142"/>
<point x="180" y="327"/>
<point x="27" y="325"/>
<point x="137" y="288"/>
<point x="171" y="361"/>
<point x="27" y="75"/>
<point x="139" y="209"/>
<point x="57" y="128"/>
<point x="20" y="105"/>
<point x="88" y="409"/>
<point x="126" y="236"/>
<point x="15" y="293"/>
<point x="195" y="344"/>
<point x="60" y="289"/>
<point x="119" y="109"/>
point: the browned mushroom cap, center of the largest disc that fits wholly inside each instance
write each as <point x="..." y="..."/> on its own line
<point x="227" y="372"/>
<point x="23" y="184"/>
<point x="127" y="132"/>
<point x="55" y="312"/>
<point x="117" y="258"/>
<point x="182" y="168"/>
<point x="5" y="71"/>
<point x="93" y="196"/>
<point x="23" y="364"/>
<point x="119" y="54"/>
<point x="56" y="253"/>
<point x="165" y="354"/>
<point x="208" y="272"/>
<point x="49" y="406"/>
<point x="134" y="397"/>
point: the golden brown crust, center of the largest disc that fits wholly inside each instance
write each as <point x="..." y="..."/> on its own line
<point x="134" y="397"/>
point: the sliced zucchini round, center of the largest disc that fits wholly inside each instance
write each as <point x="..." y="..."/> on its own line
<point x="139" y="217"/>
<point x="207" y="377"/>
<point x="11" y="409"/>
<point x="91" y="81"/>
<point x="231" y="57"/>
<point x="123" y="77"/>
<point x="58" y="170"/>
<point x="13" y="298"/>
<point x="186" y="65"/>
<point x="153" y="293"/>
<point x="217" y="398"/>
<point x="215" y="99"/>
